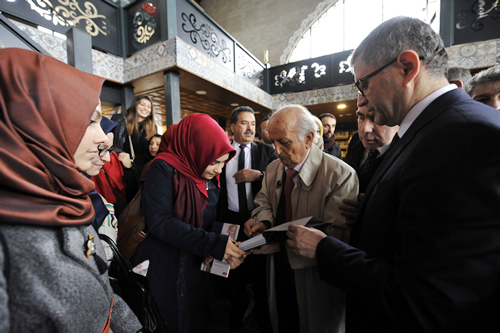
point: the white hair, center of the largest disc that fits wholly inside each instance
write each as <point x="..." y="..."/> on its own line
<point x="305" y="121"/>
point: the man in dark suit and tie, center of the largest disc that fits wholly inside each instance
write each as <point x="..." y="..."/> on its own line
<point x="367" y="149"/>
<point x="425" y="252"/>
<point x="241" y="180"/>
<point x="367" y="152"/>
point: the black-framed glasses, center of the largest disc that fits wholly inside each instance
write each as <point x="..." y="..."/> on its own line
<point x="361" y="82"/>
<point x="103" y="151"/>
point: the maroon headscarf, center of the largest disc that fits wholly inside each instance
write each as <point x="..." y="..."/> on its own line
<point x="45" y="109"/>
<point x="166" y="138"/>
<point x="196" y="142"/>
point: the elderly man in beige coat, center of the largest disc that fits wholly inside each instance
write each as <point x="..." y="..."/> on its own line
<point x="299" y="301"/>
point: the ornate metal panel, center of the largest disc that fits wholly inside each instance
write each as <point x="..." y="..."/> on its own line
<point x="98" y="18"/>
<point x="321" y="72"/>
<point x="249" y="68"/>
<point x="468" y="21"/>
<point x="341" y="70"/>
<point x="142" y="25"/>
<point x="198" y="29"/>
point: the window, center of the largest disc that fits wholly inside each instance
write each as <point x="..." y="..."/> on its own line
<point x="346" y="23"/>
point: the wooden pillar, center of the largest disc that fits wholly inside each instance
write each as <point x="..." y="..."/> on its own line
<point x="172" y="97"/>
<point x="168" y="27"/>
<point x="127" y="96"/>
<point x="79" y="48"/>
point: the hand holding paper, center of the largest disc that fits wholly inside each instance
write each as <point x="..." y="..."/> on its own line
<point x="253" y="227"/>
<point x="274" y="234"/>
<point x="304" y="241"/>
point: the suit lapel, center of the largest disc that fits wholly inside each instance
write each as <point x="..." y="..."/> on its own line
<point x="253" y="153"/>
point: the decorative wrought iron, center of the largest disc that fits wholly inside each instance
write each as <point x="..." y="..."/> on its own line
<point x="207" y="37"/>
<point x="319" y="70"/>
<point x="476" y="15"/>
<point x="250" y="71"/>
<point x="295" y="76"/>
<point x="344" y="66"/>
<point x="69" y="13"/>
<point x="144" y="23"/>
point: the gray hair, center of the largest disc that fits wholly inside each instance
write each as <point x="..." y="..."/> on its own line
<point x="402" y="33"/>
<point x="458" y="73"/>
<point x="305" y="122"/>
<point x="488" y="76"/>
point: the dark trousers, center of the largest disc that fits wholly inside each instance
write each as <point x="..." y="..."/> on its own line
<point x="244" y="291"/>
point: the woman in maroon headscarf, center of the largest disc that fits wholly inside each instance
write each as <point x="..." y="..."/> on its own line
<point x="53" y="274"/>
<point x="179" y="201"/>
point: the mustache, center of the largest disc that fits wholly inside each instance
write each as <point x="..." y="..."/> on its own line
<point x="248" y="132"/>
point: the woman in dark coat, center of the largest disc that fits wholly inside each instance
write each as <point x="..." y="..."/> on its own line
<point x="53" y="272"/>
<point x="179" y="203"/>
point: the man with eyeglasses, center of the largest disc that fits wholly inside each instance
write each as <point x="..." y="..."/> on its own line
<point x="425" y="247"/>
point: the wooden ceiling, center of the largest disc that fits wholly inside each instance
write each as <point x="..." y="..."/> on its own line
<point x="217" y="100"/>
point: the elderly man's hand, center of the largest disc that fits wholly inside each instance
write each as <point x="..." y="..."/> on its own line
<point x="304" y="241"/>
<point x="268" y="249"/>
<point x="246" y="175"/>
<point x="253" y="228"/>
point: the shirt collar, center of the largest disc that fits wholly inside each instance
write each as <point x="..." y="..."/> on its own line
<point x="298" y="167"/>
<point x="420" y="106"/>
<point x="236" y="145"/>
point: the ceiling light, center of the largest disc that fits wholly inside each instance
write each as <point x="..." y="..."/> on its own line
<point x="341" y="106"/>
<point x="234" y="104"/>
<point x="341" y="115"/>
<point x="348" y="114"/>
<point x="201" y="92"/>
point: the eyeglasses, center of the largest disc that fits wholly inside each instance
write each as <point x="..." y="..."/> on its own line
<point x="103" y="151"/>
<point x="361" y="83"/>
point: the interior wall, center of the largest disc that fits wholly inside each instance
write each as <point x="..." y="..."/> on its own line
<point x="261" y="24"/>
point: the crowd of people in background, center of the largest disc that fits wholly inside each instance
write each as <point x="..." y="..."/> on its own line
<point x="410" y="239"/>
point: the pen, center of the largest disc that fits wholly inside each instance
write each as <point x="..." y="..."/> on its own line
<point x="253" y="225"/>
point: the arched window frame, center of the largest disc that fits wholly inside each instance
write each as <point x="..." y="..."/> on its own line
<point x="353" y="18"/>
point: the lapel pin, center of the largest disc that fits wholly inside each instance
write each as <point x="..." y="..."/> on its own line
<point x="90" y="246"/>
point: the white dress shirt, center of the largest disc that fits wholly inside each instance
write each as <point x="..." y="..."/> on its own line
<point x="232" y="187"/>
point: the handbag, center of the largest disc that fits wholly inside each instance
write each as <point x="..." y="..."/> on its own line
<point x="134" y="289"/>
<point x="131" y="223"/>
<point x="131" y="226"/>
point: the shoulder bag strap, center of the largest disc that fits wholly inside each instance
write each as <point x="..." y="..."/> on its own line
<point x="122" y="262"/>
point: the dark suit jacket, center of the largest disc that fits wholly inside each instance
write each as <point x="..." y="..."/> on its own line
<point x="262" y="155"/>
<point x="425" y="252"/>
<point x="353" y="158"/>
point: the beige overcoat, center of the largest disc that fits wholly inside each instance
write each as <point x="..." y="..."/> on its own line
<point x="323" y="182"/>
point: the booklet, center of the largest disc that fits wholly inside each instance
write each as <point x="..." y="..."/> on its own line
<point x="278" y="233"/>
<point x="215" y="266"/>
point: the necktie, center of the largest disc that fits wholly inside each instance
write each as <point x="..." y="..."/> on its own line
<point x="289" y="185"/>
<point x="242" y="193"/>
<point x="367" y="166"/>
